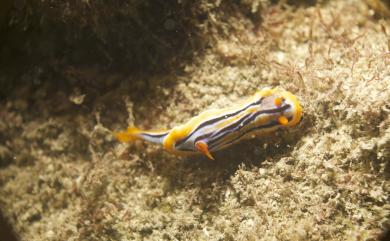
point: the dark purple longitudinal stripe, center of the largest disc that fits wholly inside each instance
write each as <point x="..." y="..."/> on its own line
<point x="269" y="125"/>
<point x="234" y="125"/>
<point x="212" y="121"/>
<point x="202" y="137"/>
<point x="214" y="142"/>
<point x="243" y="121"/>
<point x="155" y="135"/>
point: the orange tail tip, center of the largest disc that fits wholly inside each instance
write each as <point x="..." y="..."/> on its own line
<point x="131" y="134"/>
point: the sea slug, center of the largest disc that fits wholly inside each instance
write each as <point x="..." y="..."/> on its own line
<point x="215" y="129"/>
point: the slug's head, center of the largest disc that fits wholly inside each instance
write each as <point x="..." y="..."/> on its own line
<point x="282" y="105"/>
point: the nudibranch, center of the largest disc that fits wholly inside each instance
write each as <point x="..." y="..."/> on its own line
<point x="212" y="130"/>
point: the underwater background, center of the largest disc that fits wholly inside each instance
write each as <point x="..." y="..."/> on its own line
<point x="71" y="72"/>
